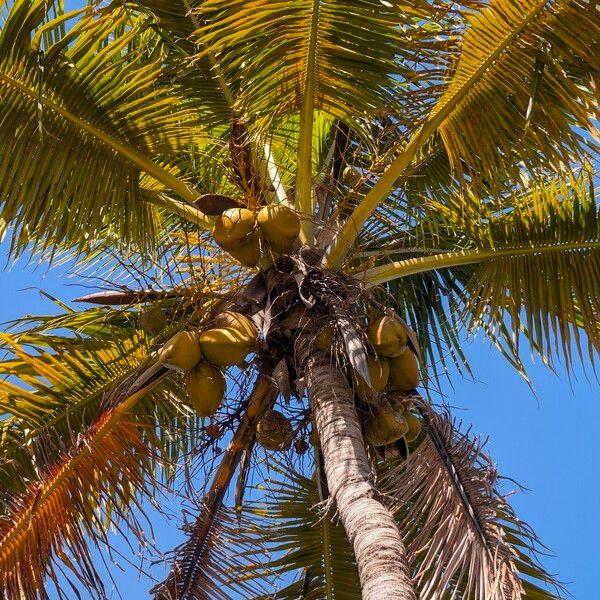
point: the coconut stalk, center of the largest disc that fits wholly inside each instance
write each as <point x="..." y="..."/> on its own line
<point x="183" y="586"/>
<point x="378" y="548"/>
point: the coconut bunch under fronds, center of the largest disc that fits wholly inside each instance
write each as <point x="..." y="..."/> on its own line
<point x="460" y="532"/>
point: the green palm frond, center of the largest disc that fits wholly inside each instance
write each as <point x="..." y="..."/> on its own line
<point x="482" y="116"/>
<point x="519" y="57"/>
<point x="304" y="540"/>
<point x="175" y="22"/>
<point x="462" y="536"/>
<point x="273" y="52"/>
<point x="81" y="119"/>
<point x="536" y="258"/>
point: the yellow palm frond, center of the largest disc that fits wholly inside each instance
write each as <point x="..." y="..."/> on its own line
<point x="81" y="119"/>
<point x="483" y="117"/>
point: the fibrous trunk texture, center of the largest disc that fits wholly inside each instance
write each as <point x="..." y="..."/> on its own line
<point x="378" y="547"/>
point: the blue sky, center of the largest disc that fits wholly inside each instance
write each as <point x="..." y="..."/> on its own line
<point x="545" y="442"/>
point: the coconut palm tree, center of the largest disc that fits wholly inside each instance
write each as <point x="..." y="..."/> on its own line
<point x="312" y="203"/>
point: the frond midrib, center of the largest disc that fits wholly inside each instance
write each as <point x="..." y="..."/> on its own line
<point x="130" y="154"/>
<point x="413" y="266"/>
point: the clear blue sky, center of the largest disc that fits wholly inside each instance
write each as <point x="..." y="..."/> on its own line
<point x="547" y="443"/>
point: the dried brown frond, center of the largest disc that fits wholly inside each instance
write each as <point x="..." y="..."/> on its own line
<point x="452" y="518"/>
<point x="196" y="570"/>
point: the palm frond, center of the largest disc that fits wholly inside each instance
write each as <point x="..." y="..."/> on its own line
<point x="54" y="384"/>
<point x="68" y="501"/>
<point x="265" y="51"/>
<point x="537" y="256"/>
<point x="482" y="116"/>
<point x="304" y="541"/>
<point x="175" y="21"/>
<point x="539" y="57"/>
<point x="81" y="119"/>
<point x="463" y="540"/>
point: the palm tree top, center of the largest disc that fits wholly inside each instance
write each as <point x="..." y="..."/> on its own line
<point x="435" y="163"/>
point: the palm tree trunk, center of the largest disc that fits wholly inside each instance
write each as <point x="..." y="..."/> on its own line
<point x="378" y="547"/>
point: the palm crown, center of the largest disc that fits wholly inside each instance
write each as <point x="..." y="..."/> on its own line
<point x="434" y="164"/>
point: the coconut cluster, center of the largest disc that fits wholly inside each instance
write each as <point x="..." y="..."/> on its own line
<point x="203" y="356"/>
<point x="393" y="369"/>
<point x="274" y="431"/>
<point x="245" y="234"/>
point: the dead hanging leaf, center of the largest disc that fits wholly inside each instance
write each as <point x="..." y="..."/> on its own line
<point x="281" y="378"/>
<point x="355" y="349"/>
<point x="310" y="301"/>
<point x="215" y="204"/>
<point x="262" y="320"/>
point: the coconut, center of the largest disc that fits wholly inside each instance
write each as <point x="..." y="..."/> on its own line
<point x="181" y="352"/>
<point x="224" y="346"/>
<point x="279" y="225"/>
<point x="404" y="371"/>
<point x="414" y="427"/>
<point x="387" y="336"/>
<point x="240" y="323"/>
<point x="234" y="228"/>
<point x="205" y="387"/>
<point x="249" y="253"/>
<point x="384" y="427"/>
<point x="153" y="320"/>
<point x="379" y="373"/>
<point x="274" y="431"/>
<point x="351" y="175"/>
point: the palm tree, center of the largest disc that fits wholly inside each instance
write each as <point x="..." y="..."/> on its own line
<point x="438" y="161"/>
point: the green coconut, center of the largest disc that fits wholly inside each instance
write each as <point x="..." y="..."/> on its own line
<point x="224" y="346"/>
<point x="378" y="372"/>
<point x="234" y="228"/>
<point x="240" y="323"/>
<point x="153" y="320"/>
<point x="404" y="371"/>
<point x="279" y="225"/>
<point x="387" y="336"/>
<point x="274" y="431"/>
<point x="249" y="253"/>
<point x="181" y="352"/>
<point x="414" y="427"/>
<point x="385" y="427"/>
<point x="205" y="385"/>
